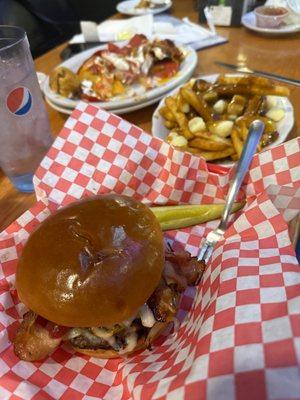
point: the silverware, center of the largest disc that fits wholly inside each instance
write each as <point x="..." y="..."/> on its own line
<point x="246" y="70"/>
<point x="255" y="131"/>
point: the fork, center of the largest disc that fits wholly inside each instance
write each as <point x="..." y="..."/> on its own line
<point x="255" y="131"/>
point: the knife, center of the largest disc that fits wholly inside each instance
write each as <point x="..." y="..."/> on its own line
<point x="247" y="70"/>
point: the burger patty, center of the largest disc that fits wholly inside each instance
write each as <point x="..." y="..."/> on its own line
<point x="85" y="342"/>
<point x="117" y="341"/>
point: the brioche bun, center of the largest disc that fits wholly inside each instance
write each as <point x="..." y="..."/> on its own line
<point x="92" y="263"/>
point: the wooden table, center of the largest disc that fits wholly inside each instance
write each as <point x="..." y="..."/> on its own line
<point x="280" y="55"/>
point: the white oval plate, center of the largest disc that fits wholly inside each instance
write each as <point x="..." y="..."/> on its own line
<point x="249" y="21"/>
<point x="284" y="126"/>
<point x="185" y="72"/>
<point x="128" y="8"/>
<point x="118" y="111"/>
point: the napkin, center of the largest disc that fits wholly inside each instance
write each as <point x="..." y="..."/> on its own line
<point x="239" y="332"/>
<point x="163" y="26"/>
<point x="123" y="29"/>
<point x="114" y="30"/>
<point x="186" y="32"/>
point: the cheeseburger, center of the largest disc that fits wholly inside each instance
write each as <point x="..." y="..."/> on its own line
<point x="96" y="275"/>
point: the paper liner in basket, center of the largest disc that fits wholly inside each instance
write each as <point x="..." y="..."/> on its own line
<point x="239" y="335"/>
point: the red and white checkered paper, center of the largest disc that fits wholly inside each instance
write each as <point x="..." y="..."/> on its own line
<point x="239" y="336"/>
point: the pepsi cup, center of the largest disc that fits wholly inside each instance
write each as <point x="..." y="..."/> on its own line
<point x="24" y="130"/>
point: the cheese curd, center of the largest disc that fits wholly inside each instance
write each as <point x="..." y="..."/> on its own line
<point x="179" y="141"/>
<point x="220" y="106"/>
<point x="222" y="128"/>
<point x="276" y="114"/>
<point x="271" y="102"/>
<point x="197" y="124"/>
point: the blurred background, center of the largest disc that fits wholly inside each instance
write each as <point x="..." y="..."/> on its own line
<point x="51" y="22"/>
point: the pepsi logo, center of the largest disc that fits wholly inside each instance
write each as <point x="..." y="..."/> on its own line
<point x="19" y="101"/>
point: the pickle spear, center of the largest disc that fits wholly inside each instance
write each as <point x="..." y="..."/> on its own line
<point x="182" y="216"/>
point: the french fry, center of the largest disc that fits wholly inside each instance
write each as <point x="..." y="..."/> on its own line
<point x="241" y="127"/>
<point x="211" y="96"/>
<point x="231" y="90"/>
<point x="179" y="116"/>
<point x="169" y="117"/>
<point x="240" y="134"/>
<point x="200" y="85"/>
<point x="181" y="104"/>
<point x="166" y="114"/>
<point x="253" y="105"/>
<point x="258" y="81"/>
<point x="169" y="124"/>
<point x="237" y="142"/>
<point x="215" y="138"/>
<point x="234" y="157"/>
<point x="243" y="132"/>
<point x="215" y="155"/>
<point x="197" y="103"/>
<point x="273" y="91"/>
<point x="193" y="150"/>
<point x="203" y="135"/>
<point x="244" y="80"/>
<point x="207" y="144"/>
<point x="163" y="110"/>
<point x="175" y="217"/>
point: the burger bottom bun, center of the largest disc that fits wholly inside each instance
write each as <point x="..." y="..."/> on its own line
<point x="110" y="353"/>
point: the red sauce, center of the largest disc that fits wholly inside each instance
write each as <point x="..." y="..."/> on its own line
<point x="164" y="69"/>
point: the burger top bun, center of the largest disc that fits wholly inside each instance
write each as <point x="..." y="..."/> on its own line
<point x="93" y="263"/>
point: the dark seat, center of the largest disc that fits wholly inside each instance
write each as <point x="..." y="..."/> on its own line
<point x="95" y="10"/>
<point x="51" y="22"/>
<point x="43" y="32"/>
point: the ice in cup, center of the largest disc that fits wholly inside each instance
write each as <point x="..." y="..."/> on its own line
<point x="25" y="133"/>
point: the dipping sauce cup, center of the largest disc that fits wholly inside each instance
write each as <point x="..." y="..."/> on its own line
<point x="270" y="17"/>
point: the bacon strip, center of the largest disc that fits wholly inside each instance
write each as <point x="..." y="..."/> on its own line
<point x="33" y="341"/>
<point x="183" y="265"/>
<point x="163" y="302"/>
<point x="173" y="277"/>
<point x="181" y="270"/>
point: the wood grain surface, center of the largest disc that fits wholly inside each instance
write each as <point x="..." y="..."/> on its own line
<point x="280" y="55"/>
